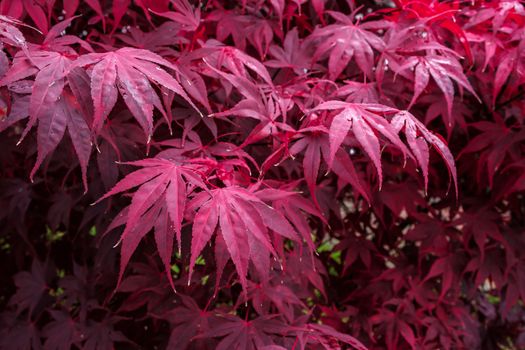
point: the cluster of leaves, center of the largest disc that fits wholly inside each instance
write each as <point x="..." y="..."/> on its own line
<point x="264" y="174"/>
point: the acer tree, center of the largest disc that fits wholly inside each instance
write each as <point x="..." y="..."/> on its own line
<point x="270" y="174"/>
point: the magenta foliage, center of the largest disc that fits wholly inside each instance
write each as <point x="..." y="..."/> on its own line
<point x="262" y="174"/>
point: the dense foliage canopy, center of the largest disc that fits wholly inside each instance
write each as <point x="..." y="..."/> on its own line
<point x="262" y="174"/>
